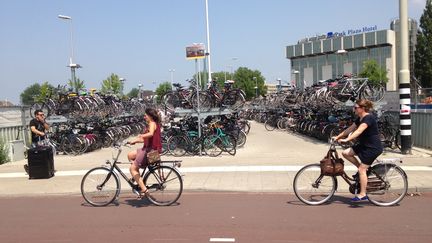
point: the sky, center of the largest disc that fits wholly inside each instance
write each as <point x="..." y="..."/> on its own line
<point x="142" y="40"/>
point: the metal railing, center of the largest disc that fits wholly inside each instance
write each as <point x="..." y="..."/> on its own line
<point x="421" y="129"/>
<point x="11" y="133"/>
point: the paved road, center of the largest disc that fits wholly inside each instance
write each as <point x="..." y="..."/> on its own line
<point x="245" y="198"/>
<point x="214" y="217"/>
<point x="267" y="163"/>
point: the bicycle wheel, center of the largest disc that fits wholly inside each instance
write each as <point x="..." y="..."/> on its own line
<point x="165" y="185"/>
<point x="241" y="139"/>
<point x="246" y="127"/>
<point x="205" y="103"/>
<point x="171" y="101"/>
<point x="387" y="185"/>
<point x="73" y="145"/>
<point x="212" y="145"/>
<point x="270" y="125"/>
<point x="100" y="186"/>
<point x="373" y="93"/>
<point x="228" y="143"/>
<point x="239" y="101"/>
<point x="39" y="106"/>
<point x="313" y="188"/>
<point x="177" y="145"/>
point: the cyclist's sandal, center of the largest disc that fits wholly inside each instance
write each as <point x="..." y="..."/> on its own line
<point x="359" y="199"/>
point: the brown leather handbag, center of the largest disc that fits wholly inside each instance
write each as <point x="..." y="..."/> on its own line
<point x="332" y="165"/>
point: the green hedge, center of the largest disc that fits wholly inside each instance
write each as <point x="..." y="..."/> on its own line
<point x="3" y="152"/>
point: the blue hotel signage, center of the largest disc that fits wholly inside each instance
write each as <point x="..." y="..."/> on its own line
<point x="340" y="34"/>
<point x="352" y="31"/>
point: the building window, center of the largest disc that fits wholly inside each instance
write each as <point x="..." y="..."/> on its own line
<point x="370" y="38"/>
<point x="290" y="51"/>
<point x="299" y="50"/>
<point x="347" y="42"/>
<point x="358" y="41"/>
<point x="327" y="45"/>
<point x="381" y="37"/>
<point x="307" y="48"/>
<point x="337" y="44"/>
<point x="317" y="47"/>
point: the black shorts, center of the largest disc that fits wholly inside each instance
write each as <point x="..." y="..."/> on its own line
<point x="367" y="155"/>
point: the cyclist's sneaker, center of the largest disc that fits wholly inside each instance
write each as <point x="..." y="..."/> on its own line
<point x="358" y="199"/>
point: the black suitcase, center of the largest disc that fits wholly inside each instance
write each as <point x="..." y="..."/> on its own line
<point x="40" y="162"/>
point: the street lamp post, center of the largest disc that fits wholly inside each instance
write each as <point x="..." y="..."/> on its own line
<point x="295" y="72"/>
<point x="172" y="75"/>
<point x="280" y="85"/>
<point x="122" y="80"/>
<point x="72" y="65"/>
<point x="139" y="91"/>
<point x="232" y="67"/>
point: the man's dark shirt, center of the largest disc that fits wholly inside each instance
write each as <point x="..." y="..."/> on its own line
<point x="40" y="127"/>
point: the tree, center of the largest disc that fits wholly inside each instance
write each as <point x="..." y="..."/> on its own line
<point x="162" y="89"/>
<point x="112" y="84"/>
<point x="46" y="90"/>
<point x="247" y="80"/>
<point x="219" y="77"/>
<point x="375" y="73"/>
<point x="133" y="93"/>
<point x="423" y="53"/>
<point x="36" y="93"/>
<point x="29" y="94"/>
<point x="77" y="85"/>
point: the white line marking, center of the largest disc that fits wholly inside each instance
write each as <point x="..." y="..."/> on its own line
<point x="222" y="239"/>
<point x="217" y="169"/>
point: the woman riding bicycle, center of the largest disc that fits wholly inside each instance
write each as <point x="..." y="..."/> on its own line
<point x="368" y="146"/>
<point x="152" y="141"/>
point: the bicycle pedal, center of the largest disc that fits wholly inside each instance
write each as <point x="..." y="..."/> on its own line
<point x="136" y="192"/>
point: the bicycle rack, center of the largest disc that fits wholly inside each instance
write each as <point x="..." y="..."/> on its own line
<point x="201" y="115"/>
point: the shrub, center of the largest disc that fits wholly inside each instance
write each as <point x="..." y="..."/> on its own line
<point x="3" y="152"/>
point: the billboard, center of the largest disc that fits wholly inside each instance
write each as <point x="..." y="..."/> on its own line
<point x="195" y="51"/>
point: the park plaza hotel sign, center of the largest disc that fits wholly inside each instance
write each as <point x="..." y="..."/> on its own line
<point x="348" y="32"/>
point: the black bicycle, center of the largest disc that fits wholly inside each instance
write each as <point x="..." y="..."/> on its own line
<point x="100" y="186"/>
<point x="387" y="182"/>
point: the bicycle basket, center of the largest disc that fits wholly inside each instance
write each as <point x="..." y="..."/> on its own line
<point x="153" y="156"/>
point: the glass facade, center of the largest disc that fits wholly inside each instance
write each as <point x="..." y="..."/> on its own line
<point x="358" y="41"/>
<point x="328" y="58"/>
<point x="327" y="45"/>
<point x="347" y="42"/>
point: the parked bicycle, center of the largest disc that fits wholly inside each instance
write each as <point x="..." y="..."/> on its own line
<point x="213" y="141"/>
<point x="230" y="97"/>
<point x="387" y="182"/>
<point x="358" y="88"/>
<point x="100" y="186"/>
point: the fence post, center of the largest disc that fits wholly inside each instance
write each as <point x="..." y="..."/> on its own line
<point x="24" y="126"/>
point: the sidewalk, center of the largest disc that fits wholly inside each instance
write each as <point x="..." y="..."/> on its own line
<point x="267" y="163"/>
